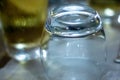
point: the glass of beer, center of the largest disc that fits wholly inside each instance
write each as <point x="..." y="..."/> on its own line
<point x="22" y="26"/>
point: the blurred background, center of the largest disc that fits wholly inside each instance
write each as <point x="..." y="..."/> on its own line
<point x="104" y="7"/>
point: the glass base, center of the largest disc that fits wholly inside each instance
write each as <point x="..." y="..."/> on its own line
<point x="24" y="55"/>
<point x="72" y="69"/>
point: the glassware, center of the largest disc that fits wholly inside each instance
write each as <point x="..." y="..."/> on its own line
<point x="23" y="24"/>
<point x="76" y="48"/>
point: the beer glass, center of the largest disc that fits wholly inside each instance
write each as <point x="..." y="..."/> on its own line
<point x="22" y="26"/>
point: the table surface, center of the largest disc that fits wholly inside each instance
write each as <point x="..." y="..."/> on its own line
<point x="33" y="70"/>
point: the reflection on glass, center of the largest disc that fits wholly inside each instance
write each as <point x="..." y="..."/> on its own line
<point x="73" y="21"/>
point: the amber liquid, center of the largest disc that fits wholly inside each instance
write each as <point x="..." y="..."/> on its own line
<point x="23" y="21"/>
<point x="20" y="34"/>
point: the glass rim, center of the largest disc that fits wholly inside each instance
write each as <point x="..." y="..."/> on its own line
<point x="56" y="12"/>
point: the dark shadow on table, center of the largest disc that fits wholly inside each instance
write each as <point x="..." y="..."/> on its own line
<point x="4" y="58"/>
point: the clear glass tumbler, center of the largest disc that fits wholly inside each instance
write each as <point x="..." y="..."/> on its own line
<point x="76" y="50"/>
<point x="22" y="25"/>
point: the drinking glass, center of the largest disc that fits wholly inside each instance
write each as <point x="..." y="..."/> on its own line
<point x="76" y="48"/>
<point x="22" y="26"/>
